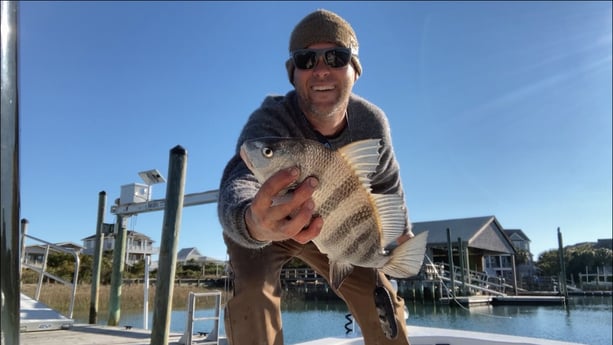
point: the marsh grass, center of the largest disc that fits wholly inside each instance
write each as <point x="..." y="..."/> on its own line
<point x="57" y="296"/>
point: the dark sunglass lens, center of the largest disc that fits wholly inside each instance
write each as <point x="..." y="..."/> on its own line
<point x="337" y="58"/>
<point x="305" y="59"/>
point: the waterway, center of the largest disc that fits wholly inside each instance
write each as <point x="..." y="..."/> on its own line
<point x="584" y="320"/>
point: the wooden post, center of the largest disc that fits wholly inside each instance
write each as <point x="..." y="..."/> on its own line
<point x="97" y="264"/>
<point x="514" y="270"/>
<point x="175" y="189"/>
<point x="119" y="255"/>
<point x="469" y="280"/>
<point x="24" y="232"/>
<point x="451" y="268"/>
<point x="461" y="255"/>
<point x="563" y="289"/>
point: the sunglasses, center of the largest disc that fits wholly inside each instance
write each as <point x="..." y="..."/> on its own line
<point x="334" y="57"/>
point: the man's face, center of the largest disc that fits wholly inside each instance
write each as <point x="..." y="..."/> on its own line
<point x="324" y="91"/>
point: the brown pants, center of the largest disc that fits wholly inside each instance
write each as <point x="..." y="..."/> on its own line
<point x="253" y="313"/>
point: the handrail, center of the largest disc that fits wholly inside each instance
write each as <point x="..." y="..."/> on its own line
<point x="212" y="337"/>
<point x="43" y="273"/>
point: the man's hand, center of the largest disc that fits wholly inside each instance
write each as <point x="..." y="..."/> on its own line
<point x="290" y="219"/>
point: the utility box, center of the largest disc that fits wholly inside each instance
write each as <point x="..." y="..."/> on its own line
<point x="134" y="193"/>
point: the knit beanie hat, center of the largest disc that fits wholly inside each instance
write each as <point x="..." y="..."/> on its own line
<point x="323" y="26"/>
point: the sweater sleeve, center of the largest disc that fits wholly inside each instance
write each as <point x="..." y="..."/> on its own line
<point x="238" y="185"/>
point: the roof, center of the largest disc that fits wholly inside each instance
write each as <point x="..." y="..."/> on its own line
<point x="185" y="253"/>
<point x="516" y="233"/>
<point x="483" y="233"/>
<point x="130" y="233"/>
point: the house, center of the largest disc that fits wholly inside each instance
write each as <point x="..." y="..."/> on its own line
<point x="520" y="241"/>
<point x="524" y="259"/>
<point x="137" y="245"/>
<point x="186" y="254"/>
<point x="604" y="243"/>
<point x="485" y="246"/>
<point x="192" y="254"/>
<point x="34" y="255"/>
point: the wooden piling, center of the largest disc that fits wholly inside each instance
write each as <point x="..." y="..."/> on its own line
<point x="24" y="232"/>
<point x="97" y="263"/>
<point x="119" y="255"/>
<point x="451" y="267"/>
<point x="175" y="188"/>
<point x="462" y="272"/>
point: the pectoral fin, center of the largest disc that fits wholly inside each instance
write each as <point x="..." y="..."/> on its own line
<point x="338" y="272"/>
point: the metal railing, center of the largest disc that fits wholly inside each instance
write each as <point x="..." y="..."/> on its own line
<point x="212" y="337"/>
<point x="42" y="270"/>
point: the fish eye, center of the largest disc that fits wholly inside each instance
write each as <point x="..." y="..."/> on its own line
<point x="267" y="152"/>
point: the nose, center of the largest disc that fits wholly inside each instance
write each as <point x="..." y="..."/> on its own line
<point x="321" y="67"/>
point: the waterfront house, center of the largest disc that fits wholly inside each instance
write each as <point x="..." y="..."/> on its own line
<point x="186" y="255"/>
<point x="524" y="260"/>
<point x="34" y="255"/>
<point x="485" y="248"/>
<point x="138" y="245"/>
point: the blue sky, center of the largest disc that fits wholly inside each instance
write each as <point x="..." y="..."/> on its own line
<point x="496" y="108"/>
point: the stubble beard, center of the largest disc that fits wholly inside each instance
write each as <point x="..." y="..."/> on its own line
<point x="328" y="110"/>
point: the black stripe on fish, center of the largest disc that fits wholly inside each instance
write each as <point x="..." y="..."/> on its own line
<point x="346" y="189"/>
<point x="348" y="227"/>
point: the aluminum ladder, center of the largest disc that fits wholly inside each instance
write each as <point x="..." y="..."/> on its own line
<point x="211" y="338"/>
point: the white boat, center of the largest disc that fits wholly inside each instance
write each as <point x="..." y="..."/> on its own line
<point x="443" y="336"/>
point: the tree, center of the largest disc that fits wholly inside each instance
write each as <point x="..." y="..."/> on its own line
<point x="522" y="257"/>
<point x="577" y="259"/>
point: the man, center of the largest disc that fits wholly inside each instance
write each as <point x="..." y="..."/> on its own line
<point x="261" y="237"/>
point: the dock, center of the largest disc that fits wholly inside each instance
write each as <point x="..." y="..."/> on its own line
<point x="81" y="334"/>
<point x="469" y="301"/>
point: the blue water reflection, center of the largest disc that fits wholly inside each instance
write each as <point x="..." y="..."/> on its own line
<point x="585" y="320"/>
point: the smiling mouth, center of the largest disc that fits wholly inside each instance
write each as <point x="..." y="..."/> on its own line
<point x="322" y="88"/>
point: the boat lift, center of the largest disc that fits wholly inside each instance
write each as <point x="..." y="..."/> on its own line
<point x="136" y="198"/>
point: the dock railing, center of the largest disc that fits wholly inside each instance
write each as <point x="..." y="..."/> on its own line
<point x="469" y="279"/>
<point x="41" y="269"/>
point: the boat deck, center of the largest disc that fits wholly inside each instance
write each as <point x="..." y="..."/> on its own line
<point x="82" y="334"/>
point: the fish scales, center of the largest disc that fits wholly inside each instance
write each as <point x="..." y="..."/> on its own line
<point x="345" y="205"/>
<point x="358" y="225"/>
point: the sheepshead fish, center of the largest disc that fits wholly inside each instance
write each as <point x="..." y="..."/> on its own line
<point x="359" y="227"/>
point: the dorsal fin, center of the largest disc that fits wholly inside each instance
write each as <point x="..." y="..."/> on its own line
<point x="363" y="157"/>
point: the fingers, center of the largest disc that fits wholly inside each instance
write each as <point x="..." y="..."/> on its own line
<point x="273" y="186"/>
<point x="310" y="232"/>
<point x="270" y="218"/>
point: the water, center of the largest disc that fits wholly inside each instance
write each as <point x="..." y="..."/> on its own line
<point x="585" y="320"/>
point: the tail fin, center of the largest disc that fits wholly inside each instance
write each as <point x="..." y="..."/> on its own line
<point x="407" y="258"/>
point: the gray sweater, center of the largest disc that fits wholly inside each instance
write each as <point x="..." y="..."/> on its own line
<point x="280" y="116"/>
